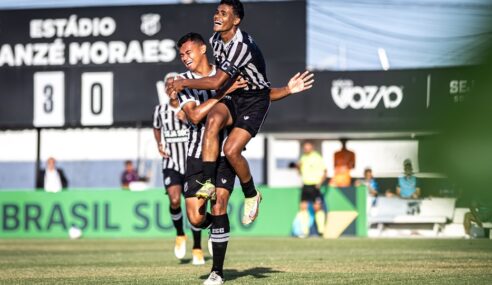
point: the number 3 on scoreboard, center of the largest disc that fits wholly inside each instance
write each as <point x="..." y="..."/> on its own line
<point x="49" y="99"/>
<point x="97" y="99"/>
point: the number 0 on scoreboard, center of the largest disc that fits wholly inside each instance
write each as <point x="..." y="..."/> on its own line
<point x="97" y="99"/>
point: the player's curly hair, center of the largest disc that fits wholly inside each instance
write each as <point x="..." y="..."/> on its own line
<point x="194" y="37"/>
<point x="237" y="7"/>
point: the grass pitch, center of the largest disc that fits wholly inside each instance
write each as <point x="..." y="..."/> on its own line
<point x="249" y="261"/>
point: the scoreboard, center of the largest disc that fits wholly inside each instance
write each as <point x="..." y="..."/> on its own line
<point x="99" y="66"/>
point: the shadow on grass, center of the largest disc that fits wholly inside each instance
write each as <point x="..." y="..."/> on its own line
<point x="188" y="260"/>
<point x="256" y="272"/>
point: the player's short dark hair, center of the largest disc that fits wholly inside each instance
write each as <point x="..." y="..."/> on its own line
<point x="127" y="162"/>
<point x="237" y="7"/>
<point x="194" y="37"/>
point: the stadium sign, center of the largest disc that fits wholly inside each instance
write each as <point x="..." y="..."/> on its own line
<point x="98" y="66"/>
<point x="345" y="94"/>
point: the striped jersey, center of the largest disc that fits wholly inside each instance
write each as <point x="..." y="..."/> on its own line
<point x="175" y="133"/>
<point x="241" y="55"/>
<point x="197" y="131"/>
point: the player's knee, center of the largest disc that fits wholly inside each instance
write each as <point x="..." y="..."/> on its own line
<point x="231" y="152"/>
<point x="196" y="220"/>
<point x="213" y="122"/>
<point x="175" y="202"/>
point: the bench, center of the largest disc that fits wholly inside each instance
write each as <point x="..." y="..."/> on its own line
<point x="435" y="212"/>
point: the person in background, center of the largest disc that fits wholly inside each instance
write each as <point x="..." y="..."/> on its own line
<point x="479" y="214"/>
<point x="408" y="187"/>
<point x="369" y="182"/>
<point x="344" y="162"/>
<point x="51" y="179"/>
<point x="313" y="174"/>
<point x="129" y="175"/>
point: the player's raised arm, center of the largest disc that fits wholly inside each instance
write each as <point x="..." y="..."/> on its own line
<point x="298" y="83"/>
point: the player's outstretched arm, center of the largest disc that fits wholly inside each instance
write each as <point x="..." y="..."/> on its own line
<point x="298" y="83"/>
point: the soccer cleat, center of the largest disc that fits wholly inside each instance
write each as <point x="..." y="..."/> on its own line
<point x="214" y="279"/>
<point x="251" y="208"/>
<point x="198" y="257"/>
<point x="207" y="191"/>
<point x="180" y="247"/>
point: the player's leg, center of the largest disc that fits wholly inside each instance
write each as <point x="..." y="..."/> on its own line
<point x="218" y="118"/>
<point x="251" y="110"/>
<point x="220" y="225"/>
<point x="173" y="183"/>
<point x="235" y="143"/>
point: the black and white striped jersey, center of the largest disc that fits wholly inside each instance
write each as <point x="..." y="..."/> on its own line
<point x="198" y="97"/>
<point x="175" y="133"/>
<point x="241" y="55"/>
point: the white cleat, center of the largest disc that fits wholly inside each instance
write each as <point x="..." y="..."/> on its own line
<point x="214" y="279"/>
<point x="198" y="258"/>
<point x="180" y="247"/>
<point x="251" y="208"/>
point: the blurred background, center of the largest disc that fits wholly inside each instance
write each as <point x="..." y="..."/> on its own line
<point x="399" y="80"/>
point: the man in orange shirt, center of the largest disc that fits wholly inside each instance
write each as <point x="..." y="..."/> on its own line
<point x="344" y="162"/>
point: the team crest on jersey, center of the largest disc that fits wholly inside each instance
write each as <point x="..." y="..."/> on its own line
<point x="151" y="24"/>
<point x="167" y="181"/>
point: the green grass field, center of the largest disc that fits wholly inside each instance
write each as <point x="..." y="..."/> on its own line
<point x="250" y="261"/>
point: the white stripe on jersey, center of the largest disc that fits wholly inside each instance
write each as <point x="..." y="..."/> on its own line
<point x="198" y="97"/>
<point x="245" y="55"/>
<point x="175" y="134"/>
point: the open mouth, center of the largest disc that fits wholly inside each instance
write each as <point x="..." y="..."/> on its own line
<point x="188" y="63"/>
<point x="217" y="23"/>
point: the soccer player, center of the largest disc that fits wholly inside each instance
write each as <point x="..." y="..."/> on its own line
<point x="196" y="104"/>
<point x="236" y="54"/>
<point x="170" y="122"/>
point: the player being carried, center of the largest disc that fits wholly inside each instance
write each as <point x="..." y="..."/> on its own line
<point x="236" y="54"/>
<point x="170" y="123"/>
<point x="196" y="104"/>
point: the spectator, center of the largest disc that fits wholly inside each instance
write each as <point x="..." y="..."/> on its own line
<point x="51" y="179"/>
<point x="129" y="175"/>
<point x="369" y="182"/>
<point x="478" y="214"/>
<point x="408" y="187"/>
<point x="344" y="162"/>
<point x="313" y="174"/>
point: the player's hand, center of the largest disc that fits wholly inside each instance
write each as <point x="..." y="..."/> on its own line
<point x="162" y="151"/>
<point x="238" y="84"/>
<point x="301" y="82"/>
<point x="169" y="90"/>
<point x="182" y="116"/>
<point x="177" y="85"/>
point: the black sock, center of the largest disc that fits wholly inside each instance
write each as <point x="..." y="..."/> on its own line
<point x="249" y="189"/>
<point x="220" y="237"/>
<point x="208" y="221"/>
<point x="197" y="237"/>
<point x="177" y="217"/>
<point x="209" y="171"/>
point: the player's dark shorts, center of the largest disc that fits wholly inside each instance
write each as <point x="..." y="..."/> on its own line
<point x="226" y="176"/>
<point x="310" y="193"/>
<point x="249" y="109"/>
<point x="172" y="177"/>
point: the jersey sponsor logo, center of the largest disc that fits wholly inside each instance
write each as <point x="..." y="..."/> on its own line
<point x="218" y="231"/>
<point x="345" y="94"/>
<point x="167" y="181"/>
<point x="151" y="24"/>
<point x="175" y="136"/>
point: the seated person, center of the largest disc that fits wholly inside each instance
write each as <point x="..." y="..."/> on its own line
<point x="129" y="175"/>
<point x="407" y="187"/>
<point x="369" y="182"/>
<point x="478" y="214"/>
